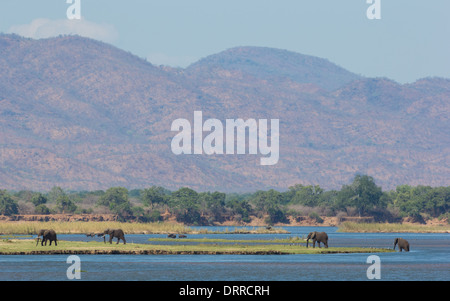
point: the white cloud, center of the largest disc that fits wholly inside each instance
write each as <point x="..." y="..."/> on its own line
<point x="158" y="58"/>
<point x="45" y="28"/>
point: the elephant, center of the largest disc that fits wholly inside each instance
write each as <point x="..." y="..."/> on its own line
<point x="47" y="235"/>
<point x="90" y="234"/>
<point x="182" y="236"/>
<point x="114" y="233"/>
<point x="171" y="235"/>
<point x="39" y="234"/>
<point x="403" y="244"/>
<point x="320" y="237"/>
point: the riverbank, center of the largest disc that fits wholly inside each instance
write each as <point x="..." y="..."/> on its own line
<point x="257" y="226"/>
<point x="388" y="228"/>
<point x="28" y="247"/>
<point x="78" y="227"/>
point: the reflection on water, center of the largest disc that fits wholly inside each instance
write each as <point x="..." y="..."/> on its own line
<point x="428" y="260"/>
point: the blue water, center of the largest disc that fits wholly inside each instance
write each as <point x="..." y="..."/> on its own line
<point x="429" y="259"/>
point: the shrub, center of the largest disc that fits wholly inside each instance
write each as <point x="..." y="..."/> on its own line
<point x="155" y="216"/>
<point x="276" y="215"/>
<point x="7" y="205"/>
<point x="41" y="209"/>
<point x="316" y="216"/>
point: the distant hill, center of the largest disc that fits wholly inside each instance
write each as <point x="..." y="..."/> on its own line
<point x="274" y="65"/>
<point x="82" y="114"/>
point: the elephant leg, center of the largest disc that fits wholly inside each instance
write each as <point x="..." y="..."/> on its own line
<point x="326" y="244"/>
<point x="318" y="243"/>
<point x="118" y="238"/>
<point x="124" y="241"/>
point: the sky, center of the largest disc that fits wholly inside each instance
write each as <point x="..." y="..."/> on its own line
<point x="409" y="42"/>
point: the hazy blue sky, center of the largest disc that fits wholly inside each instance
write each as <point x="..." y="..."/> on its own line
<point x="411" y="41"/>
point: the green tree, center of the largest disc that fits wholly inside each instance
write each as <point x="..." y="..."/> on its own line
<point x="437" y="201"/>
<point x="275" y="215"/>
<point x="38" y="199"/>
<point x="154" y="195"/>
<point x="116" y="199"/>
<point x="265" y="200"/>
<point x="213" y="204"/>
<point x="363" y="194"/>
<point x="270" y="202"/>
<point x="307" y="195"/>
<point x="184" y="203"/>
<point x="240" y="207"/>
<point x="65" y="205"/>
<point x="410" y="200"/>
<point x="7" y="205"/>
<point x="55" y="193"/>
<point x="42" y="209"/>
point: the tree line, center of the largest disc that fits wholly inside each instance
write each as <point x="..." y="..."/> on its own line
<point x="361" y="198"/>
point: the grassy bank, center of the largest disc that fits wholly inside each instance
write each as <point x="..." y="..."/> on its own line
<point x="31" y="228"/>
<point x="290" y="240"/>
<point x="374" y="227"/>
<point x="28" y="247"/>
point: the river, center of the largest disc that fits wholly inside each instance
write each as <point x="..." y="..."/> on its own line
<point x="428" y="260"/>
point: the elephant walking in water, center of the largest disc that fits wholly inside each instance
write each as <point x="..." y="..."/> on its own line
<point x="320" y="237"/>
<point x="47" y="235"/>
<point x="114" y="233"/>
<point x="403" y="244"/>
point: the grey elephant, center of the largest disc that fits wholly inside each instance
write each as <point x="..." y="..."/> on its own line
<point x="49" y="234"/>
<point x="118" y="233"/>
<point x="403" y="244"/>
<point x="320" y="237"/>
<point x="39" y="235"/>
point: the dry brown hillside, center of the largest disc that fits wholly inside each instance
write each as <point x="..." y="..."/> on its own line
<point x="81" y="114"/>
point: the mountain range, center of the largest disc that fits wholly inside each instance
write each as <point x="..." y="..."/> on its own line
<point x="84" y="115"/>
